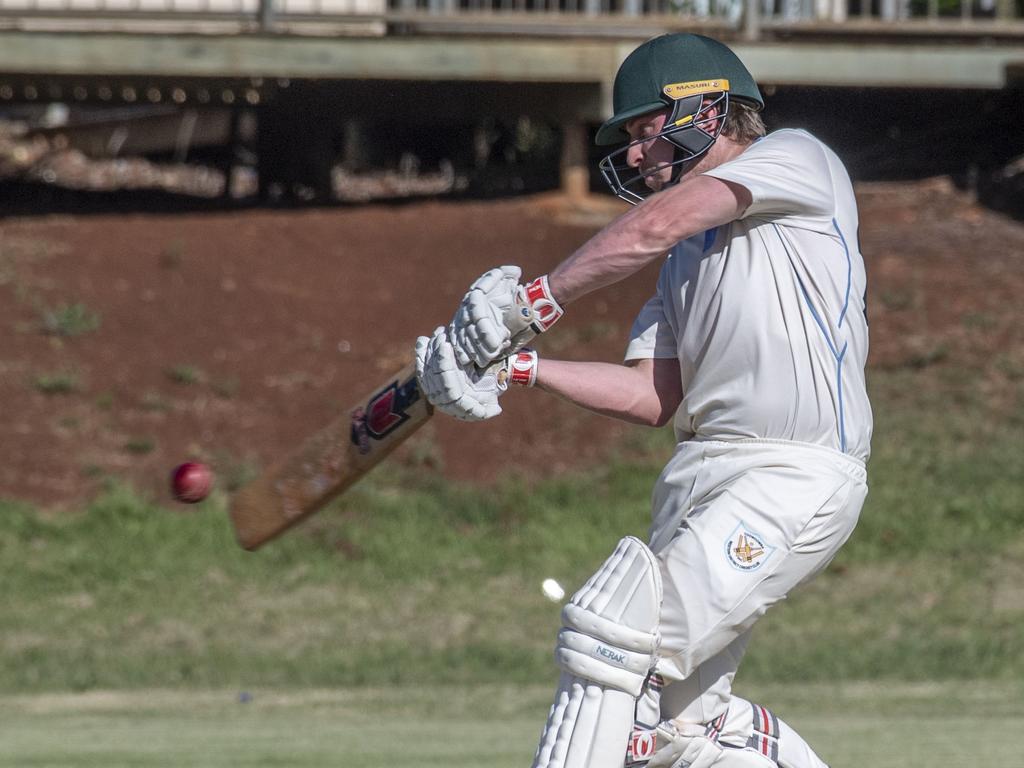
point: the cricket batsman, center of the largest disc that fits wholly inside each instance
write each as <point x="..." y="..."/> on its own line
<point x="753" y="346"/>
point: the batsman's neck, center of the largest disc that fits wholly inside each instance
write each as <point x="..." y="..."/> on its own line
<point x="721" y="152"/>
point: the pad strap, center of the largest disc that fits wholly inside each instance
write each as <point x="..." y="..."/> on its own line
<point x="587" y="657"/>
<point x="610" y="631"/>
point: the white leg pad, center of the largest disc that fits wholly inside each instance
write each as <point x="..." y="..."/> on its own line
<point x="607" y="647"/>
<point x="588" y="726"/>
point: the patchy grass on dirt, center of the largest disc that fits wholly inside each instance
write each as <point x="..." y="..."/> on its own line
<point x="230" y="336"/>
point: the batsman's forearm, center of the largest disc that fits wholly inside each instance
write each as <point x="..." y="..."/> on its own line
<point x="645" y="233"/>
<point x="612" y="390"/>
<point x="613" y="254"/>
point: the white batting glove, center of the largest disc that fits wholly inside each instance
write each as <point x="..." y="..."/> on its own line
<point x="498" y="316"/>
<point x="478" y="330"/>
<point x="466" y="392"/>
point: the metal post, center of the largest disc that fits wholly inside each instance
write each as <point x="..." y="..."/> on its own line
<point x="355" y="151"/>
<point x="575" y="174"/>
<point x="752" y="20"/>
<point x="266" y="15"/>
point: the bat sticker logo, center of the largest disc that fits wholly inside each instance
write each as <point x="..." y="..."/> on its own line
<point x="384" y="413"/>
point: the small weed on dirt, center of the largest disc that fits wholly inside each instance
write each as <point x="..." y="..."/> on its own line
<point x="68" y="320"/>
<point x="924" y="356"/>
<point x="154" y="402"/>
<point x="185" y="374"/>
<point x="225" y="388"/>
<point x="92" y="471"/>
<point x="170" y="256"/>
<point x="898" y="299"/>
<point x="140" y="445"/>
<point x="1010" y="365"/>
<point x="59" y="383"/>
<point x="979" y="320"/>
<point x="234" y="472"/>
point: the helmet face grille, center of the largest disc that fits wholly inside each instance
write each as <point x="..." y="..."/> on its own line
<point x="690" y="130"/>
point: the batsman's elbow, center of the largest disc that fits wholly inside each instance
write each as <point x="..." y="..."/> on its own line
<point x="663" y="418"/>
<point x="647" y="414"/>
<point x="661" y="392"/>
<point x="657" y="419"/>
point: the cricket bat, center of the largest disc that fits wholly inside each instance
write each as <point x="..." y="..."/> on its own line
<point x="330" y="460"/>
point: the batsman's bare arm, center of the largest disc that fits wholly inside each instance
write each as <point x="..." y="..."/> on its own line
<point x="647" y="232"/>
<point x="645" y="392"/>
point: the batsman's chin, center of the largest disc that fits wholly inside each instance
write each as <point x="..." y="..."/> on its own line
<point x="655" y="179"/>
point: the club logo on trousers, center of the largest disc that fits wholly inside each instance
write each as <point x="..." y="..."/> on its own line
<point x="746" y="550"/>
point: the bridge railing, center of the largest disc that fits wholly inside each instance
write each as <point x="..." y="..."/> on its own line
<point x="751" y="14"/>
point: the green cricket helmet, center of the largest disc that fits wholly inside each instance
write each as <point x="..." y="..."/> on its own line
<point x="688" y="75"/>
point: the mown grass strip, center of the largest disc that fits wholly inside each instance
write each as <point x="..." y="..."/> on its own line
<point x="894" y="726"/>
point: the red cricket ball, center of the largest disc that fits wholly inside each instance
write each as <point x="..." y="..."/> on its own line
<point x="191" y="482"/>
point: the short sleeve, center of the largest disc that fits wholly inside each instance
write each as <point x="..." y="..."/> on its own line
<point x="652" y="335"/>
<point x="787" y="174"/>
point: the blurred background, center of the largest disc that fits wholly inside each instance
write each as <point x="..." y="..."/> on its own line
<point x="222" y="221"/>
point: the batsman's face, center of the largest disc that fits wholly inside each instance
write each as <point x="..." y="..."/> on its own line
<point x="650" y="155"/>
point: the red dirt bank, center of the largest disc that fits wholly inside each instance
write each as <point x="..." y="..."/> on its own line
<point x="230" y="336"/>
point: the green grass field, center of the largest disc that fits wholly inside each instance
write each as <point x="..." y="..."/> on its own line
<point x="405" y="625"/>
<point x="852" y="725"/>
<point x="409" y="580"/>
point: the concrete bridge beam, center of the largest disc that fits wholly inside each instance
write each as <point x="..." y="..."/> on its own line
<point x="514" y="60"/>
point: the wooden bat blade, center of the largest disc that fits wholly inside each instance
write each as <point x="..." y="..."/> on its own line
<point x="329" y="461"/>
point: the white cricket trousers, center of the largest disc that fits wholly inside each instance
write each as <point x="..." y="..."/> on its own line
<point x="736" y="525"/>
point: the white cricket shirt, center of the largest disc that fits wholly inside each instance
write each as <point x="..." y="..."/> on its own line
<point x="766" y="314"/>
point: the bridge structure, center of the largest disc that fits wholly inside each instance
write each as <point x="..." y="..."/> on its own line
<point x="468" y="57"/>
